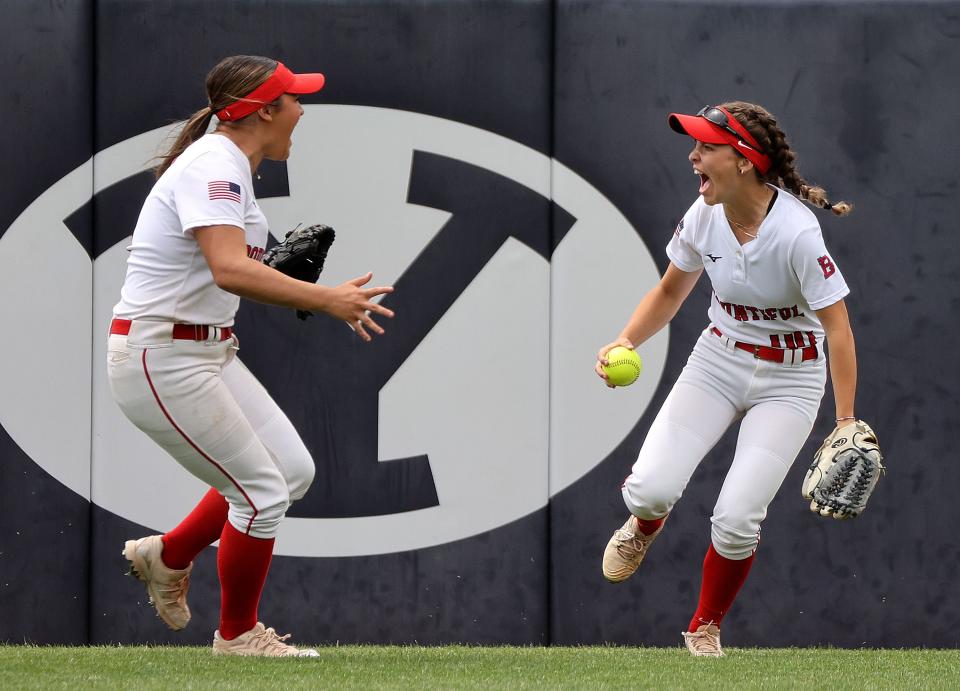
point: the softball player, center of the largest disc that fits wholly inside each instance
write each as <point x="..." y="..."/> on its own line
<point x="777" y="295"/>
<point x="195" y="253"/>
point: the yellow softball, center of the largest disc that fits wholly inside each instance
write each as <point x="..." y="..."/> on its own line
<point x="623" y="366"/>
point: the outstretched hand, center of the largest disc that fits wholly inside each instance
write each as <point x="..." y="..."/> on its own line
<point x="602" y="358"/>
<point x="352" y="303"/>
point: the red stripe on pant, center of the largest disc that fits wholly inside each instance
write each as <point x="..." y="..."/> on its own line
<point x="197" y="448"/>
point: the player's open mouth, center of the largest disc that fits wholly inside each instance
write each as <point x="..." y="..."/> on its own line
<point x="704" y="181"/>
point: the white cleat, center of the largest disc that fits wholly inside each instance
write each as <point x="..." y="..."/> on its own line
<point x="625" y="550"/>
<point x="166" y="587"/>
<point x="259" y="642"/>
<point x="704" y="642"/>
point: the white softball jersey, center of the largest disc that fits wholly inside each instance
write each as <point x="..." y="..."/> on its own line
<point x="168" y="278"/>
<point x="766" y="291"/>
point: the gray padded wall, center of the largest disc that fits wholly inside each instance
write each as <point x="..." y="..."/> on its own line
<point x="508" y="165"/>
<point x="865" y="94"/>
<point x="44" y="527"/>
<point x="440" y="59"/>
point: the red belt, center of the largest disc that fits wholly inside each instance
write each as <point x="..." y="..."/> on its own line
<point x="782" y="355"/>
<point x="184" y="332"/>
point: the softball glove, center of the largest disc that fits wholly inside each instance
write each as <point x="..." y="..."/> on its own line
<point x="844" y="472"/>
<point x="301" y="254"/>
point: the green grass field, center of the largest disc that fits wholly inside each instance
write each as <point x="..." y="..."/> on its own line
<point x="462" y="667"/>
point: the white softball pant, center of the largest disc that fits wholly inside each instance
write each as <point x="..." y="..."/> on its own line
<point x="214" y="418"/>
<point x="718" y="385"/>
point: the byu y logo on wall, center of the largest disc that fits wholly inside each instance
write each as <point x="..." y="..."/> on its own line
<point x="517" y="344"/>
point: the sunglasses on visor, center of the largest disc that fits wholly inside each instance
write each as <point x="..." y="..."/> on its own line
<point x="719" y="118"/>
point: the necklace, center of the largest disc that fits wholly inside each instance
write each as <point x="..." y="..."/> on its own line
<point x="743" y="228"/>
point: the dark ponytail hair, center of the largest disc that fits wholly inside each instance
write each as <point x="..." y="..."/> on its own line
<point x="764" y="128"/>
<point x="231" y="80"/>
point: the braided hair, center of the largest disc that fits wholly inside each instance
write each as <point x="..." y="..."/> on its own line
<point x="783" y="172"/>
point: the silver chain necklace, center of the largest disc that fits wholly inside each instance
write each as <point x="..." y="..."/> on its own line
<point x="743" y="228"/>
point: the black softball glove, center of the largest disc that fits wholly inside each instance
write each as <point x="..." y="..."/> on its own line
<point x="301" y="254"/>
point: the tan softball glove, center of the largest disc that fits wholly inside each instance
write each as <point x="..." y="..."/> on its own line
<point x="844" y="472"/>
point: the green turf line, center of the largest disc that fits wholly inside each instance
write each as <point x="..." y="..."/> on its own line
<point x="464" y="667"/>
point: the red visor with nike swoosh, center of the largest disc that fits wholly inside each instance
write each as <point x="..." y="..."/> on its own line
<point x="715" y="125"/>
<point x="282" y="81"/>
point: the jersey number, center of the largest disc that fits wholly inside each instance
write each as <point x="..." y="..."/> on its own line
<point x="826" y="265"/>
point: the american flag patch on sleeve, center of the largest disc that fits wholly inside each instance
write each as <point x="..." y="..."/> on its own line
<point x="222" y="189"/>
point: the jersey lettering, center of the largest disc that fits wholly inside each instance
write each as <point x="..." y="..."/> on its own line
<point x="255" y="253"/>
<point x="745" y="313"/>
<point x="771" y="292"/>
<point x="827" y="266"/>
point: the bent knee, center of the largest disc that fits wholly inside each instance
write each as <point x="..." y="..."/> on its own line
<point x="736" y="541"/>
<point x="648" y="500"/>
<point x="260" y="505"/>
<point x="300" y="477"/>
<point x="260" y="521"/>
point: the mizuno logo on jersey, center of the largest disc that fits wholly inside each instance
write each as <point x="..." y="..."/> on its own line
<point x="223" y="189"/>
<point x="712" y="258"/>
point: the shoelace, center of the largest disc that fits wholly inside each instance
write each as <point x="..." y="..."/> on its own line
<point x="627" y="545"/>
<point x="705" y="642"/>
<point x="269" y="640"/>
<point x="179" y="587"/>
<point x="631" y="544"/>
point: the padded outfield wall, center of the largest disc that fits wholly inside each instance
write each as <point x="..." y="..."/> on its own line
<point x="508" y="166"/>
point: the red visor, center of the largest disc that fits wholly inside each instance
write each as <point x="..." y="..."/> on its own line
<point x="717" y="126"/>
<point x="282" y="81"/>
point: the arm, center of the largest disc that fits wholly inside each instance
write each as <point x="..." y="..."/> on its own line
<point x="655" y="311"/>
<point x="225" y="250"/>
<point x="660" y="305"/>
<point x="843" y="357"/>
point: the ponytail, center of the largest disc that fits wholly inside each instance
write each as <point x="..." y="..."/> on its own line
<point x="195" y="128"/>
<point x="230" y="80"/>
